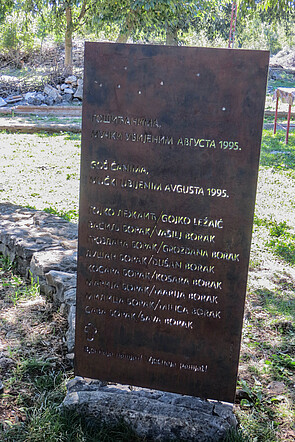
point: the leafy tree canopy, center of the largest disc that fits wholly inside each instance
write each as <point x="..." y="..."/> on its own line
<point x="6" y="7"/>
<point x="274" y="5"/>
<point x="150" y="16"/>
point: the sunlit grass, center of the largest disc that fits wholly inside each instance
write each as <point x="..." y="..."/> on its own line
<point x="42" y="172"/>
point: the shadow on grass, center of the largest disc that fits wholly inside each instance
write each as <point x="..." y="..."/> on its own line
<point x="278" y="303"/>
<point x="66" y="426"/>
<point x="278" y="309"/>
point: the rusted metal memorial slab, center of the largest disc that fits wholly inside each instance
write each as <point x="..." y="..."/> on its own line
<point x="170" y="151"/>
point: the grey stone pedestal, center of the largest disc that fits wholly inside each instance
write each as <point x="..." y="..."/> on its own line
<point x="155" y="415"/>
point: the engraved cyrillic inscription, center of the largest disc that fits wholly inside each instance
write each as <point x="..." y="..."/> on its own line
<point x="123" y="120"/>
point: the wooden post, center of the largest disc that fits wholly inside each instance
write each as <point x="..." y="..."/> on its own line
<point x="288" y="124"/>
<point x="232" y="29"/>
<point x="276" y="116"/>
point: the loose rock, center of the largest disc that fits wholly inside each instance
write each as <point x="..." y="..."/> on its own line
<point x="2" y="102"/>
<point x="79" y="91"/>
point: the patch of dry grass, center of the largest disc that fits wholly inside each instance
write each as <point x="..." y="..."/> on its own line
<point x="41" y="171"/>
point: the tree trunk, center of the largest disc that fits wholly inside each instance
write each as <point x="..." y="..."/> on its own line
<point x="122" y="37"/>
<point x="171" y="37"/>
<point x="69" y="42"/>
<point x="125" y="33"/>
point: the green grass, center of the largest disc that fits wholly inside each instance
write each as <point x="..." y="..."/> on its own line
<point x="46" y="422"/>
<point x="286" y="80"/>
<point x="70" y="215"/>
<point x="275" y="153"/>
<point x="281" y="241"/>
<point x="268" y="345"/>
<point x="6" y="265"/>
<point x="279" y="159"/>
<point x="19" y="289"/>
<point x="284" y="247"/>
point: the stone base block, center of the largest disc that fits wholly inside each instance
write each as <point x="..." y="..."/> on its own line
<point x="155" y="415"/>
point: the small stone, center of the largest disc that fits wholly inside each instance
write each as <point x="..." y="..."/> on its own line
<point x="5" y="363"/>
<point x="29" y="96"/>
<point x="2" y="102"/>
<point x="31" y="101"/>
<point x="68" y="90"/>
<point x="62" y="282"/>
<point x="52" y="92"/>
<point x="67" y="97"/>
<point x="63" y="309"/>
<point x="79" y="91"/>
<point x="49" y="101"/>
<point x="70" y="296"/>
<point x="70" y="335"/>
<point x="38" y="99"/>
<point x="72" y="79"/>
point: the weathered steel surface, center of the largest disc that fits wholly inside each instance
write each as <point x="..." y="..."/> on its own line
<point x="170" y="151"/>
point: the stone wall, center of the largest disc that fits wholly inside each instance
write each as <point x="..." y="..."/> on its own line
<point x="44" y="246"/>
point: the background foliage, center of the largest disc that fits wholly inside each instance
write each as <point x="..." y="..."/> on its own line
<point x="267" y="24"/>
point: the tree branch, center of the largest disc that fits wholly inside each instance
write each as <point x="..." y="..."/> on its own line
<point x="83" y="10"/>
